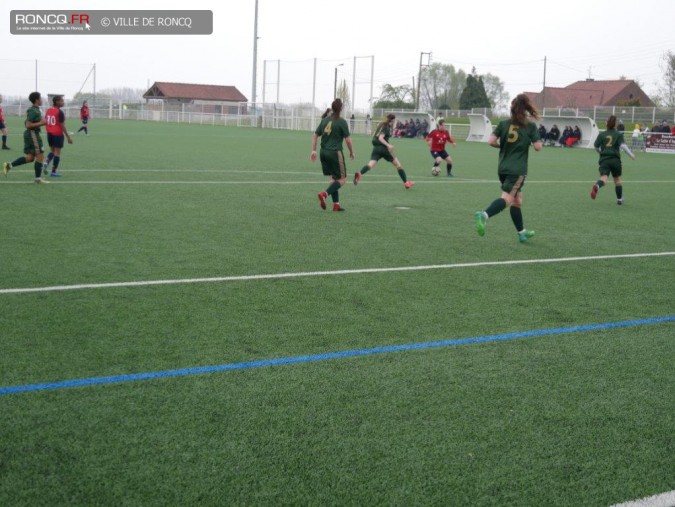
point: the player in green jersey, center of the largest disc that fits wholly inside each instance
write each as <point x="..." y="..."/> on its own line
<point x="383" y="149"/>
<point x="609" y="145"/>
<point x="32" y="142"/>
<point x="513" y="137"/>
<point x="333" y="130"/>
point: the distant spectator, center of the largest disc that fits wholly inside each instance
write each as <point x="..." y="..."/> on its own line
<point x="635" y="138"/>
<point x="620" y="127"/>
<point x="553" y="135"/>
<point x="412" y="130"/>
<point x="425" y="128"/>
<point x="566" y="133"/>
<point x="542" y="131"/>
<point x="574" y="137"/>
<point x="352" y="120"/>
<point x="368" y="124"/>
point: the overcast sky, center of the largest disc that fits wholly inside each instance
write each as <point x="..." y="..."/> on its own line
<point x="580" y="38"/>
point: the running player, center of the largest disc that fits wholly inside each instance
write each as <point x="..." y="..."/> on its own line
<point x="513" y="137"/>
<point x="333" y="130"/>
<point x="382" y="149"/>
<point x="609" y="144"/>
<point x="56" y="130"/>
<point x="436" y="141"/>
<point x="32" y="141"/>
<point x="84" y="117"/>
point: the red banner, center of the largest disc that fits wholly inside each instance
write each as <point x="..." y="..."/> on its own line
<point x="661" y="143"/>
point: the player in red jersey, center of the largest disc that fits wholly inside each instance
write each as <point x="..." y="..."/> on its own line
<point x="84" y="117"/>
<point x="436" y="141"/>
<point x="3" y="128"/>
<point x="56" y="131"/>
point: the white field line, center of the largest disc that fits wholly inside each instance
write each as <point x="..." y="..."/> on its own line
<point x="455" y="181"/>
<point x="275" y="276"/>
<point x="662" y="500"/>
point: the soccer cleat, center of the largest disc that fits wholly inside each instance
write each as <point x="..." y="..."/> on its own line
<point x="41" y="181"/>
<point x="480" y="222"/>
<point x="322" y="199"/>
<point x="5" y="147"/>
<point x="54" y="175"/>
<point x="525" y="235"/>
<point x="357" y="178"/>
<point x="450" y="175"/>
<point x="594" y="191"/>
<point x="408" y="184"/>
<point x="619" y="201"/>
<point x="6" y="167"/>
<point x="337" y="207"/>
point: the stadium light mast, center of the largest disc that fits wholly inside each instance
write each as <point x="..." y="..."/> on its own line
<point x="255" y="51"/>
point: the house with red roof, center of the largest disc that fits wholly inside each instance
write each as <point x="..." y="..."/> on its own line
<point x="591" y="93"/>
<point x="219" y="99"/>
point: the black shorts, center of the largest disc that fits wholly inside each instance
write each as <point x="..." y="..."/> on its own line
<point x="85" y="121"/>
<point x="2" y="125"/>
<point x="55" y="141"/>
<point x="611" y="166"/>
<point x="512" y="183"/>
<point x="381" y="152"/>
<point x="443" y="154"/>
<point x="333" y="164"/>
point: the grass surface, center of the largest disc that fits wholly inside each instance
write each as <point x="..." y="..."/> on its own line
<point x="572" y="419"/>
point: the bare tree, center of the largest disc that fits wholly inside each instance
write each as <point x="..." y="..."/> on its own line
<point x="343" y="93"/>
<point x="666" y="92"/>
<point x="494" y="88"/>
<point x="441" y="86"/>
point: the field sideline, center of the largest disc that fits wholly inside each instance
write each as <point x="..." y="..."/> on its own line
<point x="187" y="248"/>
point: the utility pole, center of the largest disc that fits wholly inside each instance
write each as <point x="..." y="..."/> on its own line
<point x="255" y="52"/>
<point x="419" y="77"/>
<point x="543" y="90"/>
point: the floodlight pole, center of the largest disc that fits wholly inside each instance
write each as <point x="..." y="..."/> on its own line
<point x="335" y="81"/>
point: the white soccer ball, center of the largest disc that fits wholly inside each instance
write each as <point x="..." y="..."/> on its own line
<point x="435" y="171"/>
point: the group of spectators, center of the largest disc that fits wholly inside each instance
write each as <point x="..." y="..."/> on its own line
<point x="663" y="128"/>
<point x="567" y="139"/>
<point x="640" y="134"/>
<point x="412" y="128"/>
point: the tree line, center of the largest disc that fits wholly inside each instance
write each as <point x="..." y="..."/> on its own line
<point x="442" y="86"/>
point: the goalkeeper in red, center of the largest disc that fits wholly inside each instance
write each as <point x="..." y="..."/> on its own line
<point x="609" y="144"/>
<point x="513" y="137"/>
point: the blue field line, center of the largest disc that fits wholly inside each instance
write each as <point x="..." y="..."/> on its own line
<point x="327" y="356"/>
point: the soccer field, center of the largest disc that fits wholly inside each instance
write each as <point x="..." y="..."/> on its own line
<point x="182" y="324"/>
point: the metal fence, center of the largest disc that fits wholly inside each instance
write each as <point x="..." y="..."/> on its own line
<point x="305" y="117"/>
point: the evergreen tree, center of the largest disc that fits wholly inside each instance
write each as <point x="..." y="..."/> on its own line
<point x="473" y="95"/>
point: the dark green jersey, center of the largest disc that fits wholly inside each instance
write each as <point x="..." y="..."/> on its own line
<point x="514" y="146"/>
<point x="333" y="132"/>
<point x="34" y="115"/>
<point x="608" y="143"/>
<point x="386" y="130"/>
